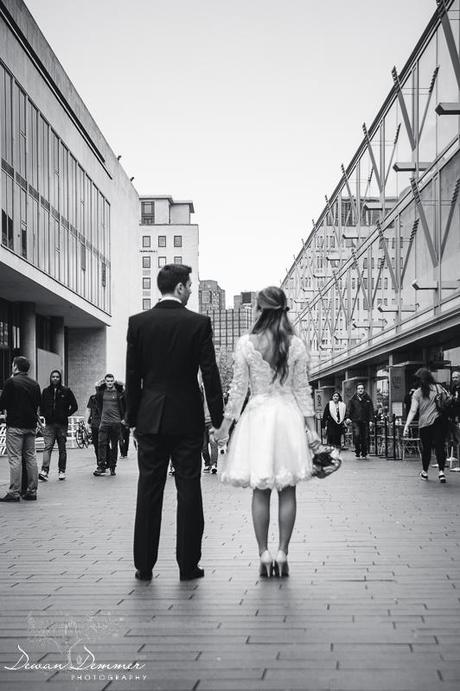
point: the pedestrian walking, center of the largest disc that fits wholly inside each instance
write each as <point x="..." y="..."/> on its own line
<point x="333" y="420"/>
<point x="20" y="399"/>
<point x="93" y="421"/>
<point x="453" y="414"/>
<point x="431" y="422"/>
<point x="360" y="414"/>
<point x="125" y="434"/>
<point x="111" y="407"/>
<point x="269" y="448"/>
<point x="455" y="393"/>
<point x="165" y="347"/>
<point x="57" y="405"/>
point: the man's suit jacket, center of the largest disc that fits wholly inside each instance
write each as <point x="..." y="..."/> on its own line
<point x="166" y="346"/>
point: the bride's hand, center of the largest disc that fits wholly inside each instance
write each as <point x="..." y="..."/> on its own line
<point x="221" y="434"/>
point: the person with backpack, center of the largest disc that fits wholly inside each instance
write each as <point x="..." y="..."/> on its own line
<point x="431" y="401"/>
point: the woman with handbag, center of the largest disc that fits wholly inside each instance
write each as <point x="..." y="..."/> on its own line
<point x="427" y="400"/>
<point x="333" y="419"/>
<point x="269" y="448"/>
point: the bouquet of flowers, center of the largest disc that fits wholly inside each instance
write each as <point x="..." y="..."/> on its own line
<point x="326" y="459"/>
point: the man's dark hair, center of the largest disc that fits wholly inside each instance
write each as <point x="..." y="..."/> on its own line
<point x="171" y="275"/>
<point x="109" y="375"/>
<point x="22" y="363"/>
<point x="360" y="383"/>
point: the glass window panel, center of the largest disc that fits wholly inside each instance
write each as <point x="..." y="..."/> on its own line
<point x="447" y="91"/>
<point x="392" y="135"/>
<point x="88" y="191"/>
<point x="44" y="159"/>
<point x="369" y="188"/>
<point x="7" y="117"/>
<point x="404" y="153"/>
<point x="107" y="231"/>
<point x="7" y="211"/>
<point x="23" y="223"/>
<point x="451" y="251"/>
<point x="63" y="191"/>
<point x="426" y="104"/>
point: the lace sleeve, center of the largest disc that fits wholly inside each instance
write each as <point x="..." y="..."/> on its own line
<point x="240" y="382"/>
<point x="300" y="385"/>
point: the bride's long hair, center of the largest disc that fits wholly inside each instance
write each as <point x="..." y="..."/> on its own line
<point x="272" y="305"/>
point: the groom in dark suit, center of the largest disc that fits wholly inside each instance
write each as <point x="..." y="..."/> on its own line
<point x="166" y="346"/>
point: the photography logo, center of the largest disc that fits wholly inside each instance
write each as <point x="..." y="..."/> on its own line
<point x="71" y="639"/>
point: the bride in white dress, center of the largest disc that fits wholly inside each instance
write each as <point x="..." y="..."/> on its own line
<point x="269" y="447"/>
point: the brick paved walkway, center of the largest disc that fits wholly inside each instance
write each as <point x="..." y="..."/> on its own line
<point x="373" y="601"/>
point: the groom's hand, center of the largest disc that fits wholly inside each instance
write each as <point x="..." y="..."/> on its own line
<point x="220" y="435"/>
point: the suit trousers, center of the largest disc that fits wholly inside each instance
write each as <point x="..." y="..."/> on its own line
<point x="154" y="452"/>
<point x="361" y="437"/>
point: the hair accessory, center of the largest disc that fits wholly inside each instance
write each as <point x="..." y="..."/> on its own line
<point x="277" y="308"/>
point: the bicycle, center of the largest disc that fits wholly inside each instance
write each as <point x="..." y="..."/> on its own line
<point x="82" y="436"/>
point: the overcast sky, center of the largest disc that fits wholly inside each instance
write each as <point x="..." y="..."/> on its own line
<point x="245" y="107"/>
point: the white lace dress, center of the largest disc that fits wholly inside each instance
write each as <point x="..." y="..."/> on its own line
<point x="268" y="448"/>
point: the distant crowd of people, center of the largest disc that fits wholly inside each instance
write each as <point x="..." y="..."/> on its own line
<point x="359" y="413"/>
<point x="30" y="411"/>
<point x="435" y="409"/>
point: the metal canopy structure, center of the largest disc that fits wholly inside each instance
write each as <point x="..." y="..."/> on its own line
<point x="382" y="262"/>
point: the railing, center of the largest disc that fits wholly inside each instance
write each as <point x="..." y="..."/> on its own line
<point x="39" y="444"/>
<point x="386" y="440"/>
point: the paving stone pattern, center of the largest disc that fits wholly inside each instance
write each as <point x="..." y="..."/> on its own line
<point x="373" y="601"/>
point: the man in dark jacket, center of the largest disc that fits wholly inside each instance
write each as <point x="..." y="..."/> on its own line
<point x="21" y="398"/>
<point x="93" y="421"/>
<point x="166" y="346"/>
<point x="111" y="409"/>
<point x="455" y="393"/>
<point x="454" y="408"/>
<point x="360" y="412"/>
<point x="57" y="405"/>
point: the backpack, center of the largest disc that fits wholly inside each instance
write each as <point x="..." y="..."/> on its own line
<point x="442" y="400"/>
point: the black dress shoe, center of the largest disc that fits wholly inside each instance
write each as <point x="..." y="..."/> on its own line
<point x="29" y="497"/>
<point x="9" y="497"/>
<point x="143" y="575"/>
<point x="191" y="575"/>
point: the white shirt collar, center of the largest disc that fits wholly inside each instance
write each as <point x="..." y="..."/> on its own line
<point x="170" y="297"/>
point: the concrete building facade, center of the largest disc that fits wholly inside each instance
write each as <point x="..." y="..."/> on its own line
<point x="212" y="296"/>
<point x="166" y="236"/>
<point x="375" y="288"/>
<point x="228" y="324"/>
<point x="245" y="300"/>
<point x="70" y="220"/>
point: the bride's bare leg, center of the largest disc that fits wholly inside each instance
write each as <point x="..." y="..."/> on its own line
<point x="261" y="516"/>
<point x="286" y="516"/>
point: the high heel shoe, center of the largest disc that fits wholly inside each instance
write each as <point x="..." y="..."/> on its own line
<point x="266" y="564"/>
<point x="281" y="565"/>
